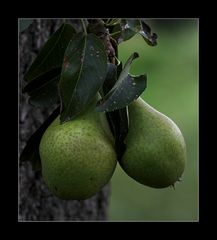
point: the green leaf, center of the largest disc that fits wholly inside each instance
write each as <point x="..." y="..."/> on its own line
<point x="51" y="55"/>
<point x="47" y="95"/>
<point x="119" y="125"/>
<point x="41" y="80"/>
<point x="132" y="24"/>
<point x="24" y="24"/>
<point x="127" y="66"/>
<point x="130" y="27"/>
<point x="113" y="71"/>
<point x="148" y="36"/>
<point x="126" y="89"/>
<point x="125" y="29"/>
<point x="111" y="78"/>
<point x="83" y="73"/>
<point x="130" y="89"/>
<point x="118" y="119"/>
<point x="43" y="91"/>
<point x="31" y="150"/>
<point x="127" y="34"/>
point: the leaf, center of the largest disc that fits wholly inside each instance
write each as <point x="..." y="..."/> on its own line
<point x="129" y="90"/>
<point x="41" y="80"/>
<point x="83" y="73"/>
<point x="24" y="24"/>
<point x="31" y="150"/>
<point x="119" y="125"/>
<point x="51" y="55"/>
<point x="111" y="78"/>
<point x="126" y="89"/>
<point x="130" y="27"/>
<point x="148" y="36"/>
<point x="133" y="24"/>
<point x="127" y="66"/>
<point x="46" y="95"/>
<point x="125" y="30"/>
<point x="118" y="119"/>
<point x="43" y="91"/>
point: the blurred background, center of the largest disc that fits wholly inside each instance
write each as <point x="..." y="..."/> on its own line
<point x="172" y="68"/>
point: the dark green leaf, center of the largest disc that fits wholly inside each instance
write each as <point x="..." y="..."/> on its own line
<point x="130" y="27"/>
<point x="51" y="55"/>
<point x="133" y="24"/>
<point x="83" y="73"/>
<point x="127" y="66"/>
<point x="24" y="24"/>
<point x="31" y="150"/>
<point x="130" y="89"/>
<point x="119" y="125"/>
<point x="43" y="91"/>
<point x="126" y="89"/>
<point x="41" y="80"/>
<point x="118" y="120"/>
<point x="127" y="34"/>
<point x="149" y="37"/>
<point x="47" y="95"/>
<point x="111" y="78"/>
<point x="127" y="28"/>
<point x="113" y="71"/>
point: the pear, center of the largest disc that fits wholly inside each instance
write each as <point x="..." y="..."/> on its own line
<point x="78" y="156"/>
<point x="155" y="153"/>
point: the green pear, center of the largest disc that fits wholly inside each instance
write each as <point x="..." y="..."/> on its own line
<point x="78" y="156"/>
<point x="155" y="153"/>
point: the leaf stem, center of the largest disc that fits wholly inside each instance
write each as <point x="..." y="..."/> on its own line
<point x="112" y="34"/>
<point x="84" y="26"/>
<point x="117" y="60"/>
<point x="112" y="22"/>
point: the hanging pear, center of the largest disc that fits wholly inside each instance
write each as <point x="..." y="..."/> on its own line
<point x="156" y="153"/>
<point x="78" y="156"/>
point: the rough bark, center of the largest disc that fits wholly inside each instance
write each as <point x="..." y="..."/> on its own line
<point x="36" y="203"/>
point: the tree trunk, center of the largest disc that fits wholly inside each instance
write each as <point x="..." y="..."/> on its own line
<point x="36" y="203"/>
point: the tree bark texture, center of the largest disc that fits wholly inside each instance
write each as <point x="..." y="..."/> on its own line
<point x="36" y="203"/>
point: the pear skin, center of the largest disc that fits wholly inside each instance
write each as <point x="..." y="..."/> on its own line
<point x="156" y="152"/>
<point x="78" y="156"/>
